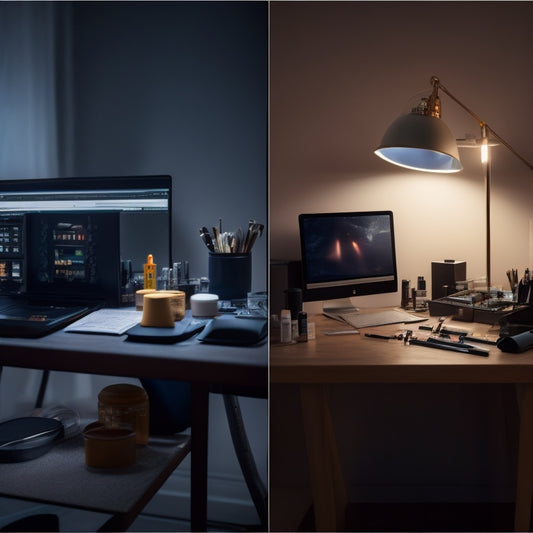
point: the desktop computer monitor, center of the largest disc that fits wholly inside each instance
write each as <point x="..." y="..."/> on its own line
<point x="347" y="254"/>
<point x="82" y="238"/>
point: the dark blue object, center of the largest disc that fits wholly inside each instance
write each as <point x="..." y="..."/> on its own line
<point x="516" y="343"/>
<point x="235" y="331"/>
<point x="181" y="331"/>
<point x="170" y="405"/>
<point x="230" y="275"/>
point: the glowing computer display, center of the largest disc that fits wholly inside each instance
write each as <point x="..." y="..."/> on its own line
<point x="347" y="254"/>
<point x="81" y="237"/>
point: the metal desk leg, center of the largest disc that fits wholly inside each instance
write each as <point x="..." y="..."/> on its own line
<point x="199" y="436"/>
<point x="524" y="476"/>
<point x="329" y="496"/>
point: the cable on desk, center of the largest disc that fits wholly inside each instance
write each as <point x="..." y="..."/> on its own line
<point x="42" y="389"/>
<point x="255" y="485"/>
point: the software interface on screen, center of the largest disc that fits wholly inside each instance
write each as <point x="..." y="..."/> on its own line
<point x="84" y="237"/>
<point x="347" y="254"/>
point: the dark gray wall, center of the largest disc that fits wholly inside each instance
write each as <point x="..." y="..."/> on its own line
<point x="176" y="88"/>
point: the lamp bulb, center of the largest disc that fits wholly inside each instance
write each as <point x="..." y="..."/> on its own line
<point x="484" y="152"/>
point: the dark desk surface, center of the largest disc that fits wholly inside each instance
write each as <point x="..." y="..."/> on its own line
<point x="238" y="369"/>
<point x="60" y="477"/>
<point x="116" y="356"/>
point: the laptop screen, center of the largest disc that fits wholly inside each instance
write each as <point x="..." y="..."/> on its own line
<point x="82" y="238"/>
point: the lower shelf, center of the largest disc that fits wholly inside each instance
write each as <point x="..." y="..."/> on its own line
<point x="61" y="477"/>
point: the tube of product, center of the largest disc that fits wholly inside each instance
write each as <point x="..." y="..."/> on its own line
<point x="285" y="326"/>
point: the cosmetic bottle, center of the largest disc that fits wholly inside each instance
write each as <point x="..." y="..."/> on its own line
<point x="286" y="326"/>
<point x="150" y="279"/>
<point x="302" y="326"/>
<point x="405" y="294"/>
<point x="420" y="299"/>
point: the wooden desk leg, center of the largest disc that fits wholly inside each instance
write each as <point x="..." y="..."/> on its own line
<point x="326" y="478"/>
<point x="524" y="475"/>
<point x="199" y="436"/>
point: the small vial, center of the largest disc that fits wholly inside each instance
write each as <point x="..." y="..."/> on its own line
<point x="420" y="301"/>
<point x="204" y="284"/>
<point x="176" y="273"/>
<point x="285" y="326"/>
<point x="294" y="330"/>
<point x="185" y="271"/>
<point x="405" y="293"/>
<point x="150" y="269"/>
<point x="302" y="326"/>
<point x="164" y="280"/>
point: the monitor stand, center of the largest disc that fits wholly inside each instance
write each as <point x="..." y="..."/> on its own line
<point x="340" y="306"/>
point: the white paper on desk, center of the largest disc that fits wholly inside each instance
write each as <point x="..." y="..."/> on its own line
<point x="375" y="318"/>
<point x="106" y="321"/>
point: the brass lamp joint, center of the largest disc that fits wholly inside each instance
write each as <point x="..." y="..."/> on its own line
<point x="430" y="106"/>
<point x="433" y="108"/>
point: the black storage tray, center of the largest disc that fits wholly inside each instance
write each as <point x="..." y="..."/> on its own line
<point x="23" y="439"/>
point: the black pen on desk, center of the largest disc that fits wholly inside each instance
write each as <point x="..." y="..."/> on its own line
<point x="450" y="347"/>
<point x="379" y="336"/>
<point x="460" y="344"/>
<point x="475" y="339"/>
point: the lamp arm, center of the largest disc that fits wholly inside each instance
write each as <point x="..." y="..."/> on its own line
<point x="509" y="147"/>
<point x="436" y="83"/>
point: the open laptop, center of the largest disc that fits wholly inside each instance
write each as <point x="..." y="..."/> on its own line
<point x="69" y="246"/>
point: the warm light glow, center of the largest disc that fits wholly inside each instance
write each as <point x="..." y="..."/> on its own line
<point x="356" y="248"/>
<point x="485" y="151"/>
<point x="336" y="253"/>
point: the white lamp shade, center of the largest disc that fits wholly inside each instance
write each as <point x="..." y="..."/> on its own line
<point x="420" y="142"/>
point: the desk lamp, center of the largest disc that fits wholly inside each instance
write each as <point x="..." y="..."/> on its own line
<point x="421" y="141"/>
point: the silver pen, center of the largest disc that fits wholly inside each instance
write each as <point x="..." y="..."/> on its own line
<point x="342" y="332"/>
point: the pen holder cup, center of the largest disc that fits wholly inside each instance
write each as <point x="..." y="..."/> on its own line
<point x="230" y="275"/>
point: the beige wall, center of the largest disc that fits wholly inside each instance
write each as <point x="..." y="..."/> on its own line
<point x="341" y="72"/>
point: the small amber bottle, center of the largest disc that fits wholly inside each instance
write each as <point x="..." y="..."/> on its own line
<point x="150" y="273"/>
<point x="125" y="404"/>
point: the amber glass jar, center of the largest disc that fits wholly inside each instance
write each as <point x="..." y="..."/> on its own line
<point x="124" y="403"/>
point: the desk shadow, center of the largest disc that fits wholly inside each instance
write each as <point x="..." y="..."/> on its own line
<point x="425" y="517"/>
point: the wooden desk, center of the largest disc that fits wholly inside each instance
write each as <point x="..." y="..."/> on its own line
<point x="242" y="368"/>
<point x="330" y="360"/>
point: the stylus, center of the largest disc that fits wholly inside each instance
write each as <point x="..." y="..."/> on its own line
<point x="379" y="336"/>
<point x="441" y="346"/>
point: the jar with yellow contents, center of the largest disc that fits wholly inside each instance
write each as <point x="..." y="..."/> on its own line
<point x="125" y="404"/>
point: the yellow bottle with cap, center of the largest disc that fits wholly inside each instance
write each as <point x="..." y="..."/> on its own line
<point x="150" y="279"/>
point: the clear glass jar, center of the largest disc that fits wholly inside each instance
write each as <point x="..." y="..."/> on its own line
<point x="122" y="404"/>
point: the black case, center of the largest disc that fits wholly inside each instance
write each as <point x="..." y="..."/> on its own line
<point x="22" y="439"/>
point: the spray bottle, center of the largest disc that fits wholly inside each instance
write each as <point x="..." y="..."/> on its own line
<point x="286" y="329"/>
